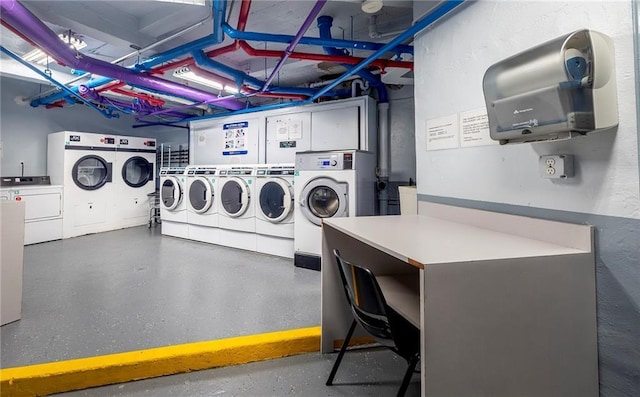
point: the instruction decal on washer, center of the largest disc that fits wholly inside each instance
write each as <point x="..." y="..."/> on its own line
<point x="235" y="138"/>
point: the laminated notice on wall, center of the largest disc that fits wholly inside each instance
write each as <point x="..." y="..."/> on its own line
<point x="474" y="128"/>
<point x="442" y="133"/>
<point x="235" y="138"/>
<point x="288" y="130"/>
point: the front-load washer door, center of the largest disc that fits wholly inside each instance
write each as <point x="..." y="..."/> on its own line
<point x="137" y="171"/>
<point x="201" y="195"/>
<point x="91" y="172"/>
<point x="171" y="193"/>
<point x="324" y="198"/>
<point x="276" y="200"/>
<point x="235" y="197"/>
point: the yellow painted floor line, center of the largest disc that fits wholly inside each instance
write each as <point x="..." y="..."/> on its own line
<point x="61" y="376"/>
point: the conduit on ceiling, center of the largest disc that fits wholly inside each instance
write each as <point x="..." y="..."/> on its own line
<point x="17" y="18"/>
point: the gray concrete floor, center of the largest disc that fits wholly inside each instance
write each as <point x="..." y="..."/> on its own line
<point x="134" y="289"/>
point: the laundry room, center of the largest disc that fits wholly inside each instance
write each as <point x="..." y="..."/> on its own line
<point x="332" y="197"/>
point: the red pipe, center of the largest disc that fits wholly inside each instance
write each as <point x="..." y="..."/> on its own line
<point x="380" y="63"/>
<point x="111" y="86"/>
<point x="152" y="101"/>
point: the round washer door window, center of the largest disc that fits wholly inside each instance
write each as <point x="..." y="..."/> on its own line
<point x="234" y="197"/>
<point x="91" y="172"/>
<point x="276" y="199"/>
<point x="201" y="195"/>
<point x="137" y="171"/>
<point x="324" y="198"/>
<point x="170" y="193"/>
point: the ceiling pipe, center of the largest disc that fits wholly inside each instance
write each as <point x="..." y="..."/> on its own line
<point x="24" y="21"/>
<point x="169" y="55"/>
<point x="125" y="57"/>
<point x="242" y="78"/>
<point x="287" y="52"/>
<point x="379" y="63"/>
<point x="436" y="14"/>
<point x="105" y="113"/>
<point x="324" y="26"/>
<point x="281" y="38"/>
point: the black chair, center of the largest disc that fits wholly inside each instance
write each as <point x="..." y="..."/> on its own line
<point x="371" y="311"/>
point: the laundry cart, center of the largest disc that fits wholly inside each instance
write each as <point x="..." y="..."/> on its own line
<point x="154" y="208"/>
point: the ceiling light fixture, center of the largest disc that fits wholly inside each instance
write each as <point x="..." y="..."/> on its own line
<point x="41" y="58"/>
<point x="189" y="74"/>
<point x="371" y="6"/>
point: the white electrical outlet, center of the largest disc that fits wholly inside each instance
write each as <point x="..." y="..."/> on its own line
<point x="556" y="166"/>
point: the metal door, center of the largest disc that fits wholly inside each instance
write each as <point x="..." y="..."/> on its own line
<point x="171" y="193"/>
<point x="324" y="198"/>
<point x="137" y="171"/>
<point x="201" y="194"/>
<point x="91" y="172"/>
<point x="235" y="197"/>
<point x="276" y="199"/>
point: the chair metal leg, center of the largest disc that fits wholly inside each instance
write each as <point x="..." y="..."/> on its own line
<point x="343" y="349"/>
<point x="407" y="375"/>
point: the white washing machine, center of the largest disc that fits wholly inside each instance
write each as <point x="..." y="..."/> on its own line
<point x="329" y="185"/>
<point x="133" y="177"/>
<point x="202" y="203"/>
<point x="274" y="209"/>
<point x="173" y="206"/>
<point x="236" y="207"/>
<point x="83" y="163"/>
<point x="43" y="206"/>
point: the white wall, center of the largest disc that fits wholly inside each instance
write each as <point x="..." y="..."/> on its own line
<point x="23" y="129"/>
<point x="450" y="61"/>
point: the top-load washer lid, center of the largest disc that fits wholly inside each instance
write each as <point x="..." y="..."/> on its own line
<point x="324" y="198"/>
<point x="201" y="194"/>
<point x="235" y="196"/>
<point x="276" y="199"/>
<point x="91" y="172"/>
<point x="137" y="171"/>
<point x="171" y="193"/>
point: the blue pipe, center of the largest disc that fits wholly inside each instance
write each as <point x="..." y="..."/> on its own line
<point x="324" y="25"/>
<point x="281" y="38"/>
<point x="427" y="20"/>
<point x="107" y="114"/>
<point x="219" y="8"/>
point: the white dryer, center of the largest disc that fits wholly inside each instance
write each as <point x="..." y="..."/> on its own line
<point x="173" y="206"/>
<point x="274" y="209"/>
<point x="83" y="163"/>
<point x="133" y="177"/>
<point x="329" y="185"/>
<point x="202" y="203"/>
<point x="236" y="208"/>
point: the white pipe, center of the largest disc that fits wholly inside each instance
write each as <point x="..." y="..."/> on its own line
<point x="384" y="157"/>
<point x="364" y="85"/>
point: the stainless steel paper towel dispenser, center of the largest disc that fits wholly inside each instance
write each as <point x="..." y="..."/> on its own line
<point x="563" y="87"/>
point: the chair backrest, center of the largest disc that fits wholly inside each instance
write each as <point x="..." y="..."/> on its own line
<point x="366" y="300"/>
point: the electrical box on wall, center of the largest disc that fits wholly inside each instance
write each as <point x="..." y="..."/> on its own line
<point x="563" y="87"/>
<point x="556" y="166"/>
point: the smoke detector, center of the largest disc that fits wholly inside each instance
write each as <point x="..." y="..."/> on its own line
<point x="371" y="6"/>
